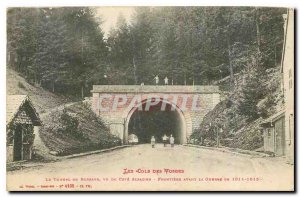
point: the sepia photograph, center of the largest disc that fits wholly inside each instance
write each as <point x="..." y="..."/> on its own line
<point x="150" y="98"/>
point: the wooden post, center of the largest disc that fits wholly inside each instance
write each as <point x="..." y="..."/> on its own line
<point x="22" y="149"/>
<point x="82" y="92"/>
<point x="217" y="137"/>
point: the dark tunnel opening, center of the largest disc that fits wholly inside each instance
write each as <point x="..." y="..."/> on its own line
<point x="156" y="122"/>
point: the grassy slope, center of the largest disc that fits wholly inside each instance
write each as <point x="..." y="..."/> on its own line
<point x="50" y="106"/>
<point x="90" y="134"/>
<point x="42" y="99"/>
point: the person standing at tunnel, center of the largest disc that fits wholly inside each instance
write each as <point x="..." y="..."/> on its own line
<point x="166" y="81"/>
<point x="172" y="140"/>
<point x="153" y="141"/>
<point x="156" y="78"/>
<point x="165" y="139"/>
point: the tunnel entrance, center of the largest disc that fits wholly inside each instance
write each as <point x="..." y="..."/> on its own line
<point x="157" y="122"/>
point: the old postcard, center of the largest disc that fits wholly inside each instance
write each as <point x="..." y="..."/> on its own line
<point x="150" y="99"/>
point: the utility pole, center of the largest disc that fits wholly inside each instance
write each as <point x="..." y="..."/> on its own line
<point x="218" y="129"/>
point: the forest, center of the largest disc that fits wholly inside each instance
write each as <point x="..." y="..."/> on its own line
<point x="65" y="50"/>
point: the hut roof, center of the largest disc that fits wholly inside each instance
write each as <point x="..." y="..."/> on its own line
<point x="273" y="118"/>
<point x="13" y="105"/>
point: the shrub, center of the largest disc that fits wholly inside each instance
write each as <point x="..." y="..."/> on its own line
<point x="69" y="124"/>
<point x="252" y="92"/>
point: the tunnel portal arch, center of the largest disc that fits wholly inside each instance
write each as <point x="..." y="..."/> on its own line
<point x="185" y="120"/>
<point x="117" y="116"/>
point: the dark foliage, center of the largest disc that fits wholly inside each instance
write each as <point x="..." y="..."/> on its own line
<point x="64" y="49"/>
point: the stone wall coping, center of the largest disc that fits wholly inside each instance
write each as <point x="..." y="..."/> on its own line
<point x="154" y="89"/>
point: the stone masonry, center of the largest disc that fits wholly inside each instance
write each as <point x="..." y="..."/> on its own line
<point x="116" y="115"/>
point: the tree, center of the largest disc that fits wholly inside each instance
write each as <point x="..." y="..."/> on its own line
<point x="252" y="92"/>
<point x="62" y="49"/>
<point x="120" y="56"/>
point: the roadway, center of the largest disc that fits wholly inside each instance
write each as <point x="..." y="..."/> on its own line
<point x="187" y="168"/>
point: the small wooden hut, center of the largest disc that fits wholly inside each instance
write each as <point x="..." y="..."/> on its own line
<point x="22" y="121"/>
<point x="274" y="134"/>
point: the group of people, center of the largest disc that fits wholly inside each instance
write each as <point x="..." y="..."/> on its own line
<point x="156" y="79"/>
<point x="166" y="80"/>
<point x="165" y="139"/>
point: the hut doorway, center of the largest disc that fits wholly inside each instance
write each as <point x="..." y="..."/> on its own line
<point x="18" y="142"/>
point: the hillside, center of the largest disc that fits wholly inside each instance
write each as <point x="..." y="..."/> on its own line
<point x="42" y="99"/>
<point x="240" y="130"/>
<point x="75" y="129"/>
<point x="67" y="127"/>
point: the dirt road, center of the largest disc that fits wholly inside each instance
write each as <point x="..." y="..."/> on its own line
<point x="144" y="168"/>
